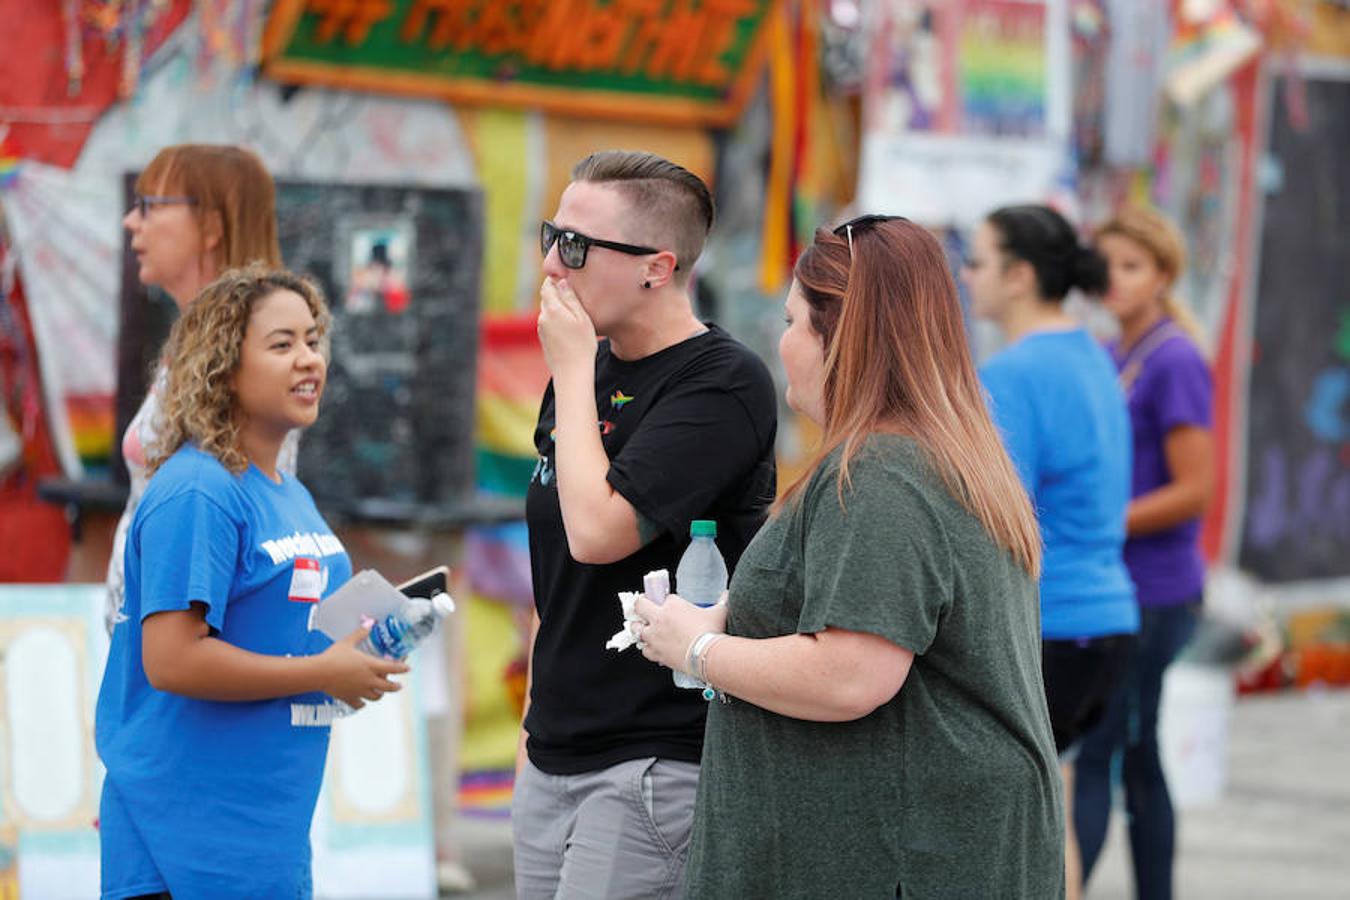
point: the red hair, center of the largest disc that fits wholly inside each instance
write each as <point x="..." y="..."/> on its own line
<point x="897" y="360"/>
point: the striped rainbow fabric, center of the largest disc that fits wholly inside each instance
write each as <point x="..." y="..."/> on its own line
<point x="511" y="380"/>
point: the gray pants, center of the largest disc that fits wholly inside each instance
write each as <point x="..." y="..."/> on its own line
<point x="613" y="834"/>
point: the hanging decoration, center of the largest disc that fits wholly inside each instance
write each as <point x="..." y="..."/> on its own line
<point x="1211" y="42"/>
<point x="1089" y="36"/>
<point x="70" y="19"/>
<point x="228" y="30"/>
<point x="843" y="46"/>
<point x="121" y="24"/>
<point x="808" y="177"/>
<point x="776" y="253"/>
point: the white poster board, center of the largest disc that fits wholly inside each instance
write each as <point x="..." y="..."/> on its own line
<point x="372" y="833"/>
<point x="966" y="108"/>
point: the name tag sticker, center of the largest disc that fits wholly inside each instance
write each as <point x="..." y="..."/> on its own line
<point x="306" y="580"/>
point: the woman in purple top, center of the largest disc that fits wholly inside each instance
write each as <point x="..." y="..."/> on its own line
<point x="1167" y="382"/>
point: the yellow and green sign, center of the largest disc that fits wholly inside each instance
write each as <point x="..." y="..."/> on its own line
<point x="670" y="61"/>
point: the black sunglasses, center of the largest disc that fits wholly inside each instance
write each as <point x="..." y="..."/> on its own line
<point x="146" y="203"/>
<point x="860" y="223"/>
<point x="573" y="245"/>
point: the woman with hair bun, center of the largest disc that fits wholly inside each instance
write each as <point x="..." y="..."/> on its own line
<point x="1056" y="400"/>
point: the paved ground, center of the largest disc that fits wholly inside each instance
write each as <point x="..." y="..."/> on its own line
<point x="1281" y="830"/>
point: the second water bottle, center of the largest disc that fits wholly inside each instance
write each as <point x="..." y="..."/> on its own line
<point x="396" y="635"/>
<point x="701" y="577"/>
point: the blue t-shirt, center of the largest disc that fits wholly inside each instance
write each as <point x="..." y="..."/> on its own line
<point x="220" y="794"/>
<point x="1056" y="400"/>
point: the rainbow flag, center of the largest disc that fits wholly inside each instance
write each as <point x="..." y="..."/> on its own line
<point x="486" y="794"/>
<point x="1001" y="65"/>
<point x="9" y="167"/>
<point x="92" y="420"/>
<point x="511" y="380"/>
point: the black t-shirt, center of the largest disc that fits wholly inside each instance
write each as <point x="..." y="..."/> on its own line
<point x="690" y="435"/>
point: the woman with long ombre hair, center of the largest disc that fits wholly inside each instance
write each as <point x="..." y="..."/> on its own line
<point x="199" y="209"/>
<point x="878" y="726"/>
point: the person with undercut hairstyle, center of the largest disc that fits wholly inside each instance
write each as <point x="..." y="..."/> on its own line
<point x="665" y="420"/>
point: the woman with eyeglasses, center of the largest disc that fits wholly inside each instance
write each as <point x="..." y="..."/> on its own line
<point x="1055" y="398"/>
<point x="199" y="209"/>
<point x="879" y="727"/>
<point x="1170" y="392"/>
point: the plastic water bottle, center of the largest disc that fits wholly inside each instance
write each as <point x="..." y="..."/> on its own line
<point x="395" y="635"/>
<point x="701" y="577"/>
<point x="398" y="634"/>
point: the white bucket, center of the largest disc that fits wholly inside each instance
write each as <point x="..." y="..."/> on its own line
<point x="1193" y="727"/>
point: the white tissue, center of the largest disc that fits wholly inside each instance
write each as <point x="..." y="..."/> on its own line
<point x="656" y="585"/>
<point x="625" y="638"/>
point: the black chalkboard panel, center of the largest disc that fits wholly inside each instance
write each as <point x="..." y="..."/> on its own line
<point x="1297" y="518"/>
<point x="400" y="268"/>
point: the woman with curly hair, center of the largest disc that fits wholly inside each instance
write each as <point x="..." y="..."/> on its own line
<point x="213" y="715"/>
<point x="199" y="209"/>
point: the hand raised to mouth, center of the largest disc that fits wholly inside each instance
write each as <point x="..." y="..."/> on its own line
<point x="566" y="331"/>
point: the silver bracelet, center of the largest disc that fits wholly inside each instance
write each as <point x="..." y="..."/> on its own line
<point x="696" y="649"/>
<point x="701" y="657"/>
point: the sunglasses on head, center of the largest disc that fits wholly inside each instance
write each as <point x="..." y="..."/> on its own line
<point x="145" y="203"/>
<point x="573" y="245"/>
<point x="862" y="223"/>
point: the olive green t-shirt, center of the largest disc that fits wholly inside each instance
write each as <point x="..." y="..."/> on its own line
<point x="949" y="790"/>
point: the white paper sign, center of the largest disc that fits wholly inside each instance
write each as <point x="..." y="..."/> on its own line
<point x="367" y="593"/>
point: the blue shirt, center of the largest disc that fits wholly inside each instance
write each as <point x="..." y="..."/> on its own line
<point x="221" y="794"/>
<point x="1056" y="400"/>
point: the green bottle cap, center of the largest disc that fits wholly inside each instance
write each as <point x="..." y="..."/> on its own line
<point x="703" y="528"/>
